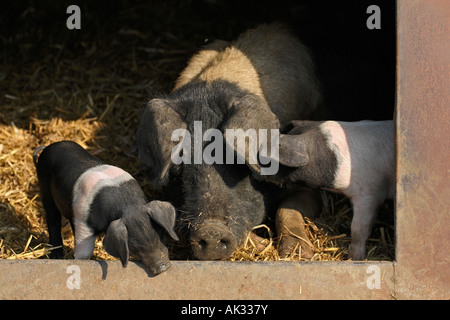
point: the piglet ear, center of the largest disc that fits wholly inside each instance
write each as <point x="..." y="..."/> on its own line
<point x="116" y="241"/>
<point x="164" y="214"/>
<point x="292" y="151"/>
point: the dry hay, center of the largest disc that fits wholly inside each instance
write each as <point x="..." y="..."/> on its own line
<point x="23" y="233"/>
<point x="92" y="91"/>
<point x="325" y="248"/>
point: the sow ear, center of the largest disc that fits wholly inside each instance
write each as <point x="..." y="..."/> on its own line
<point x="249" y="112"/>
<point x="116" y="241"/>
<point x="153" y="137"/>
<point x="292" y="151"/>
<point x="164" y="214"/>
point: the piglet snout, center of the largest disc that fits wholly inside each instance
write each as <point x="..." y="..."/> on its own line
<point x="156" y="265"/>
<point x="160" y="267"/>
<point x="212" y="240"/>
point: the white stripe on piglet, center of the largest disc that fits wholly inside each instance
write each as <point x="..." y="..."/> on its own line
<point x="337" y="142"/>
<point x="84" y="191"/>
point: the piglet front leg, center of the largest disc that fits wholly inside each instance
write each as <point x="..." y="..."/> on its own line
<point x="84" y="239"/>
<point x="364" y="213"/>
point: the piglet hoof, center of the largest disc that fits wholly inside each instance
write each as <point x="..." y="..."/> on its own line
<point x="294" y="239"/>
<point x="357" y="252"/>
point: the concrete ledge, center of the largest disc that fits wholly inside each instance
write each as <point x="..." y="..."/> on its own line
<point x="58" y="279"/>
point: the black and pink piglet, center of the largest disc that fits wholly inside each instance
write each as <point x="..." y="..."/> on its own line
<point x="99" y="198"/>
<point x="353" y="158"/>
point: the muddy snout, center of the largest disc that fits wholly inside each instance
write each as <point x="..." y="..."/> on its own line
<point x="212" y="240"/>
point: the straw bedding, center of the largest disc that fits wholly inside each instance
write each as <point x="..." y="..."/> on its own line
<point x="90" y="88"/>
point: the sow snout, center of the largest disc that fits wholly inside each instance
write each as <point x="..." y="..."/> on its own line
<point x="212" y="240"/>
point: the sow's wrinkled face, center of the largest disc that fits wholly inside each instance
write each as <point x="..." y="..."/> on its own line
<point x="219" y="203"/>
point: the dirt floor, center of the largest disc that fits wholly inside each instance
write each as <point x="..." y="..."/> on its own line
<point x="90" y="85"/>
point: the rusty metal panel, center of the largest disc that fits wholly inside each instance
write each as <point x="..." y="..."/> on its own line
<point x="423" y="149"/>
<point x="53" y="279"/>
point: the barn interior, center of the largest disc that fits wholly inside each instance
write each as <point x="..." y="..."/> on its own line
<point x="89" y="85"/>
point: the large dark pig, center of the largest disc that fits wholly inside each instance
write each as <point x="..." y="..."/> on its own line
<point x="263" y="78"/>
<point x="353" y="158"/>
<point x="95" y="198"/>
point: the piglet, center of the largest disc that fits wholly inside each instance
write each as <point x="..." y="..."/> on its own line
<point x="353" y="158"/>
<point x="96" y="198"/>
